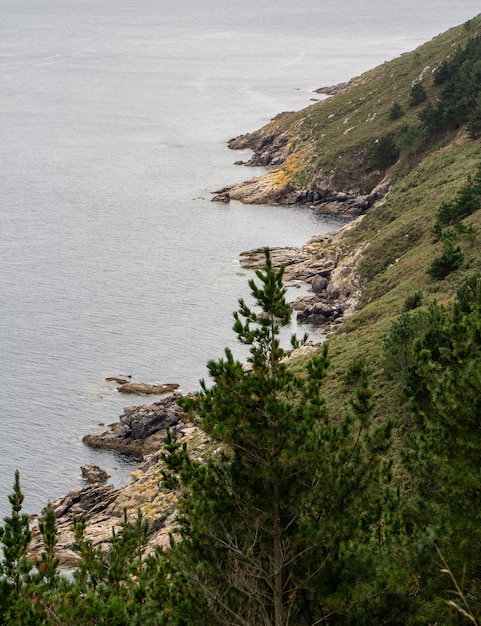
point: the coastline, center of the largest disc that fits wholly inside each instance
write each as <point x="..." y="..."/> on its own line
<point x="324" y="263"/>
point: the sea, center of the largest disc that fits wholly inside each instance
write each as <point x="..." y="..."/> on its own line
<point x="114" y="118"/>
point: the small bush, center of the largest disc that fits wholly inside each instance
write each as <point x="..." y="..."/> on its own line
<point x="408" y="135"/>
<point x="466" y="202"/>
<point x="396" y="111"/>
<point x="413" y="301"/>
<point x="417" y="94"/>
<point x="449" y="261"/>
<point x="384" y="153"/>
<point x="355" y="371"/>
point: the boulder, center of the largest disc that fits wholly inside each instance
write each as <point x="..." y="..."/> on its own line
<point x="319" y="283"/>
<point x="93" y="473"/>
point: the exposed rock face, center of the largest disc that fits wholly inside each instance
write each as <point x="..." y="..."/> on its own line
<point x="141" y="428"/>
<point x="269" y="149"/>
<point x="322" y="195"/>
<point x="328" y="266"/>
<point x="102" y="506"/>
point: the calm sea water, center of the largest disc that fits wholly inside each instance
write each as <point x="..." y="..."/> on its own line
<point x="114" y="116"/>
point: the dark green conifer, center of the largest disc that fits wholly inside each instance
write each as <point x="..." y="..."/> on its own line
<point x="15" y="536"/>
<point x="278" y="522"/>
<point x="48" y="562"/>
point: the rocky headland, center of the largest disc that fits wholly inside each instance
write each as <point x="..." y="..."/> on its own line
<point x="291" y="179"/>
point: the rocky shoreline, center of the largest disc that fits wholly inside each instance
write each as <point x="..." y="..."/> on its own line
<point x="140" y="431"/>
<point x="335" y="288"/>
<point x="326" y="264"/>
<point x="328" y="267"/>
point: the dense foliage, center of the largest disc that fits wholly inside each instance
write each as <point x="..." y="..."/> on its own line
<point x="295" y="518"/>
<point x="285" y="520"/>
<point x="459" y="102"/>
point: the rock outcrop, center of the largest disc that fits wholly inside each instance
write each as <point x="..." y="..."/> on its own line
<point x="102" y="506"/>
<point x="147" y="389"/>
<point x="141" y="428"/>
<point x="321" y="195"/>
<point x="93" y="473"/>
<point x="328" y="266"/>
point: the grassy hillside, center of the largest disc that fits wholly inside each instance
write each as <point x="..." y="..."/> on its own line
<point x="330" y="143"/>
<point x="338" y="134"/>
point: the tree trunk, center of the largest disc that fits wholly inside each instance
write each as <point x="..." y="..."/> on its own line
<point x="277" y="548"/>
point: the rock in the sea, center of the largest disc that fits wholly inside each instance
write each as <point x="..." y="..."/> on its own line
<point x="93" y="473"/>
<point x="147" y="388"/>
<point x="141" y="429"/>
<point x="116" y="379"/>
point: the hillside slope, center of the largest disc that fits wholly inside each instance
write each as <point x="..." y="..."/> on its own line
<point x="322" y="156"/>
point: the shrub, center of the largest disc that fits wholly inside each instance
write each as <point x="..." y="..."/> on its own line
<point x="384" y="153"/>
<point x="417" y="94"/>
<point x="396" y="111"/>
<point x="413" y="301"/>
<point x="451" y="258"/>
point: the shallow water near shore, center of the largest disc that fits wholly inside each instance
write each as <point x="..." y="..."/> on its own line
<point x="114" y="118"/>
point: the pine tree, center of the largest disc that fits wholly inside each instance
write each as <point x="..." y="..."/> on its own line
<point x="276" y="524"/>
<point x="443" y="451"/>
<point x="48" y="562"/>
<point x="15" y="536"/>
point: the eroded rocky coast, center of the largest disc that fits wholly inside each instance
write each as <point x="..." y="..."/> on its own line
<point x="330" y="270"/>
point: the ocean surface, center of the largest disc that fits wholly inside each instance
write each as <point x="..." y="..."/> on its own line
<point x="114" y="117"/>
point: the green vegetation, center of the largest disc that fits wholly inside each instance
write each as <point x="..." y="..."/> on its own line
<point x="459" y="101"/>
<point x="276" y="519"/>
<point x="300" y="516"/>
<point x="396" y="111"/>
<point x="336" y="137"/>
<point x="342" y="487"/>
<point x="417" y="94"/>
<point x="384" y="153"/>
